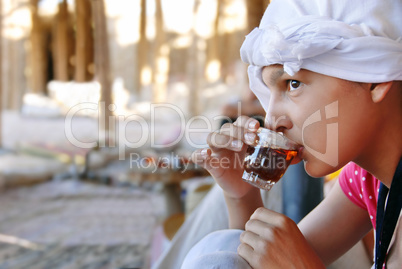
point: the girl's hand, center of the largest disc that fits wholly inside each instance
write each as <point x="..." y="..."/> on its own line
<point x="224" y="157"/>
<point x="272" y="240"/>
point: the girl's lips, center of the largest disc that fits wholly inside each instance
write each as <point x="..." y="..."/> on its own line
<point x="300" y="152"/>
<point x="299" y="156"/>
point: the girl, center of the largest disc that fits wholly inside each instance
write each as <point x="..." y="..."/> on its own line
<point x="329" y="76"/>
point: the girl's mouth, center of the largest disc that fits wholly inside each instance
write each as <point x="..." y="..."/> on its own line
<point x="299" y="156"/>
<point x="300" y="152"/>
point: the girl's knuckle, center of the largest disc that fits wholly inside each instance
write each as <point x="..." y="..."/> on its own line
<point x="259" y="211"/>
<point x="241" y="248"/>
<point x="249" y="224"/>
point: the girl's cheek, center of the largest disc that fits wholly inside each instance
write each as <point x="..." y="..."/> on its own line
<point x="315" y="137"/>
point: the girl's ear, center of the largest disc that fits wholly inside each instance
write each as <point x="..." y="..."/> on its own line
<point x="380" y="90"/>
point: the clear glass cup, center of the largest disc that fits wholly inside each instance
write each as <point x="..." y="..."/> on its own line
<point x="268" y="159"/>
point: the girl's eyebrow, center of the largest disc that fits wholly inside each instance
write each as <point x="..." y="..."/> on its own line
<point x="276" y="75"/>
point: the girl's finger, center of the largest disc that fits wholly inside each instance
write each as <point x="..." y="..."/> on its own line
<point x="250" y="238"/>
<point x="248" y="123"/>
<point x="206" y="159"/>
<point x="199" y="156"/>
<point x="246" y="252"/>
<point x="238" y="133"/>
<point x="218" y="142"/>
<point x="258" y="227"/>
<point x="271" y="217"/>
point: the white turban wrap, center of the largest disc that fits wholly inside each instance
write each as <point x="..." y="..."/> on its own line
<point x="356" y="40"/>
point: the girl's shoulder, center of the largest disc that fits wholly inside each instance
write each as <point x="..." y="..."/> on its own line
<point x="360" y="187"/>
<point x="353" y="172"/>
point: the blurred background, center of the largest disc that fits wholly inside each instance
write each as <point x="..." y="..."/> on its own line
<point x="102" y="103"/>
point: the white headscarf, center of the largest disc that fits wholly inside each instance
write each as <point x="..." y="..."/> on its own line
<point x="356" y="40"/>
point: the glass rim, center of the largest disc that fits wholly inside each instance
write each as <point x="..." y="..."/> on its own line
<point x="278" y="139"/>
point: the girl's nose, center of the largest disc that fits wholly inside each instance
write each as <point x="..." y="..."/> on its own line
<point x="277" y="118"/>
<point x="278" y="124"/>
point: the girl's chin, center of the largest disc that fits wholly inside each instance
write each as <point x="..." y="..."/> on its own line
<point x="318" y="169"/>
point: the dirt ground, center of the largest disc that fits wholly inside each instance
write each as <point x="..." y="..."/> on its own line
<point x="64" y="222"/>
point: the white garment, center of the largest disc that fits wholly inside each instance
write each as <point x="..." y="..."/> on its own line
<point x="210" y="215"/>
<point x="354" y="40"/>
<point x="218" y="250"/>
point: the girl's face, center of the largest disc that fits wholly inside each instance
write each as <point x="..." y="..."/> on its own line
<point x="329" y="117"/>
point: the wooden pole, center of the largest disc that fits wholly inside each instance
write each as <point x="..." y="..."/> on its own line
<point x="255" y="11"/>
<point x="38" y="58"/>
<point x="102" y="71"/>
<point x="214" y="63"/>
<point x="161" y="64"/>
<point x="142" y="49"/>
<point x="84" y="55"/>
<point x="1" y="74"/>
<point x="266" y="3"/>
<point x="196" y="66"/>
<point x="60" y="49"/>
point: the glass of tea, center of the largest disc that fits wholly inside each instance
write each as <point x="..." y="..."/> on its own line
<point x="268" y="158"/>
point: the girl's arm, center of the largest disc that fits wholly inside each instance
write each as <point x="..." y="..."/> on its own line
<point x="321" y="237"/>
<point x="241" y="209"/>
<point x="224" y="161"/>
<point x="335" y="225"/>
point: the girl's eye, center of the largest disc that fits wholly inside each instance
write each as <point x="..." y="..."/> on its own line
<point x="294" y="84"/>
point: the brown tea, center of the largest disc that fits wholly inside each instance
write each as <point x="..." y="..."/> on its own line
<point x="269" y="164"/>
